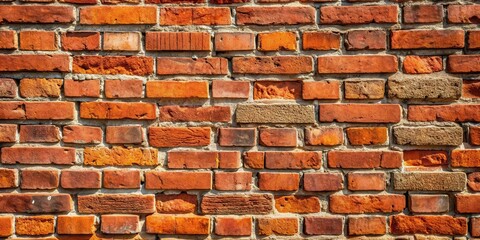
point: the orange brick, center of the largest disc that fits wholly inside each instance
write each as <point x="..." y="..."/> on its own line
<point x="99" y="15"/>
<point x="82" y="134"/>
<point x="120" y="156"/>
<point x="297" y="204"/>
<point x="367" y="136"/>
<point x="80" y="41"/>
<point x="344" y="15"/>
<point x="121" y="179"/>
<point x="195" y="16"/>
<point x="118" y="110"/>
<point x="34" y="226"/>
<point x="38" y="40"/>
<point x="233" y="181"/>
<point x="322" y="182"/>
<point x="367" y="226"/>
<point x="230" y="89"/>
<point x="34" y="63"/>
<point x="278" y="137"/>
<point x="277" y="41"/>
<point x="6" y="226"/>
<point x="360" y="113"/>
<point x="284" y="15"/>
<point x="76" y="224"/>
<point x="123" y="88"/>
<point x="40" y="87"/>
<point x="23" y="14"/>
<point x="176" y="203"/>
<point x="130" y="65"/>
<point x="178" y="136"/>
<point x="320" y="41"/>
<point x="321" y="90"/>
<point x="178" y="180"/>
<point x="357" y="64"/>
<point x="366" y="181"/>
<point x="233" y="226"/>
<point x="119" y="224"/>
<point x="278" y="181"/>
<point x="367" y="203"/>
<point x="324" y="136"/>
<point x="277" y="226"/>
<point x="8" y="40"/>
<point x="171" y="224"/>
<point x="177" y="89"/>
<point x="85" y="88"/>
<point x="190" y="66"/>
<point x="277" y="90"/>
<point x="427" y="39"/>
<point x="273" y="65"/>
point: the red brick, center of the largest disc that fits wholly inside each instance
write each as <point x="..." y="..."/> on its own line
<point x="322" y="182"/>
<point x="178" y="180"/>
<point x="82" y="134"/>
<point x="366" y="181"/>
<point x="177" y="89"/>
<point x="463" y="13"/>
<point x="473" y="40"/>
<point x="85" y="88"/>
<point x="29" y="14"/>
<point x="39" y="133"/>
<point x="463" y="63"/>
<point x="268" y="181"/>
<point x="471" y="89"/>
<point x="367" y="203"/>
<point x="8" y="178"/>
<point x="238" y="137"/>
<point x="80" y="41"/>
<point x="360" y="113"/>
<point x="466" y="203"/>
<point x="233" y="181"/>
<point x="38" y="40"/>
<point x="190" y="66"/>
<point x="8" y="133"/>
<point x="176" y="203"/>
<point x="285" y="15"/>
<point x="278" y="137"/>
<point x="422" y="203"/>
<point x="323" y="225"/>
<point x="8" y="40"/>
<point x="118" y="110"/>
<point x="322" y="41"/>
<point x="76" y="224"/>
<point x="177" y="225"/>
<point x="239" y="41"/>
<point x="8" y="87"/>
<point x="129" y="65"/>
<point x="121" y="41"/>
<point x="119" y="224"/>
<point x="293" y="160"/>
<point x="121" y="179"/>
<point x="273" y="65"/>
<point x="254" y="160"/>
<point x="367" y="135"/>
<point x="203" y="159"/>
<point x="124" y="134"/>
<point x="364" y="159"/>
<point x="35" y="203"/>
<point x="34" y="225"/>
<point x="277" y="41"/>
<point x="367" y="226"/>
<point x="465" y="158"/>
<point x="233" y="226"/>
<point x="474" y="135"/>
<point x="177" y="41"/>
<point x="277" y="90"/>
<point x="277" y="226"/>
<point x="358" y="14"/>
<point x="116" y="203"/>
<point x="366" y="40"/>
<point x="40" y="87"/>
<point x="321" y="90"/>
<point x="230" y="89"/>
<point x="444" y="113"/>
<point x="422" y="64"/>
<point x="175" y="1"/>
<point x="297" y="204"/>
<point x="427" y="39"/>
<point x="423" y="14"/>
<point x="86" y="179"/>
<point x="179" y="136"/>
<point x="357" y="64"/>
<point x="34" y="63"/>
<point x="239" y="204"/>
<point x="39" y="179"/>
<point x="120" y="156"/>
<point x="177" y="113"/>
<point x="38" y="155"/>
<point x="6" y="226"/>
<point x="195" y="16"/>
<point x="99" y="15"/>
<point x="123" y="88"/>
<point x="12" y="110"/>
<point x="324" y="136"/>
<point x="438" y="225"/>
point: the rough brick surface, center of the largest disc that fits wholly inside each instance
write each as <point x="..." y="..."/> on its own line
<point x="217" y="119"/>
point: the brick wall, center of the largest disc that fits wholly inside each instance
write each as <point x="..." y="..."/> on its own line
<point x="139" y="119"/>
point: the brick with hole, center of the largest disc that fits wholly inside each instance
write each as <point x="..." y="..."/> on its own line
<point x="297" y="204"/>
<point x="466" y="14"/>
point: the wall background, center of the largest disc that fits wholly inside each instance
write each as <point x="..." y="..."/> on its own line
<point x="129" y="119"/>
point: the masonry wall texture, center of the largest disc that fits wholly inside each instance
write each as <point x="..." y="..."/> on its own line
<point x="209" y="119"/>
